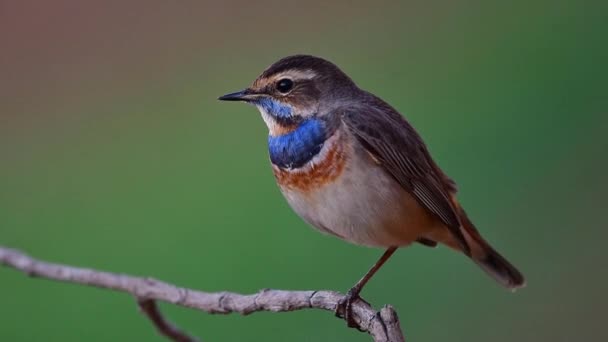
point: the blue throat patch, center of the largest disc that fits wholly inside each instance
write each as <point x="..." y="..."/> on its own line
<point x="274" y="108"/>
<point x="296" y="148"/>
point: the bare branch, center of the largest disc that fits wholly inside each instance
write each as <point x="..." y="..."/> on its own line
<point x="383" y="326"/>
<point x="165" y="328"/>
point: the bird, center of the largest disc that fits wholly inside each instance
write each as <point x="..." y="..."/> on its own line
<point x="352" y="166"/>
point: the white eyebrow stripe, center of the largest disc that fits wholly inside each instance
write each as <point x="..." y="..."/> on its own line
<point x="297" y="74"/>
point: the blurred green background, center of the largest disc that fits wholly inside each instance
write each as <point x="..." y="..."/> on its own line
<point x="116" y="155"/>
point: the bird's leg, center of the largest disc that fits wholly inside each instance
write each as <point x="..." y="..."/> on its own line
<point x="345" y="304"/>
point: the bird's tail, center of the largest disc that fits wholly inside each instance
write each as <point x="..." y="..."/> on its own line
<point x="500" y="269"/>
<point x="481" y="253"/>
<point x="489" y="259"/>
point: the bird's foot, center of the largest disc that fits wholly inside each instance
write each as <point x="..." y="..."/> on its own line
<point x="344" y="308"/>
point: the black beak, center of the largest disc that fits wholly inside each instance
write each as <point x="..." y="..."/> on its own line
<point x="243" y="95"/>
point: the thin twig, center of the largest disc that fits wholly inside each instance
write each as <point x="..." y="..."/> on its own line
<point x="383" y="326"/>
<point x="164" y="327"/>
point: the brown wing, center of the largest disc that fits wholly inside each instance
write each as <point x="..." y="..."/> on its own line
<point x="402" y="153"/>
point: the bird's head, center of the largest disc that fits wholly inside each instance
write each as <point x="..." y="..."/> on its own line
<point x="295" y="89"/>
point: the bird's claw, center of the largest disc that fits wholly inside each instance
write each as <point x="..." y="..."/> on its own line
<point x="344" y="308"/>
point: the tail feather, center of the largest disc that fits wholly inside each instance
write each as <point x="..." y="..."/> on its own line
<point x="479" y="250"/>
<point x="489" y="259"/>
<point x="500" y="269"/>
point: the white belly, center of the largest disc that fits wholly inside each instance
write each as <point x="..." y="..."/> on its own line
<point x="363" y="205"/>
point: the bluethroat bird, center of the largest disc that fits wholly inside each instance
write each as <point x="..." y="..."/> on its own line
<point x="351" y="166"/>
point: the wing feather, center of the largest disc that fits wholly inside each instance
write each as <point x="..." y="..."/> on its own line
<point x="402" y="153"/>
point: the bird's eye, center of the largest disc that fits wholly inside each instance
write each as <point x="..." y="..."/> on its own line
<point x="284" y="85"/>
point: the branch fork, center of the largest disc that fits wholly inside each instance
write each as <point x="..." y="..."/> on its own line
<point x="382" y="326"/>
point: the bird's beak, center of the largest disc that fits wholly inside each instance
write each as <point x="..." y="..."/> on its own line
<point x="243" y="95"/>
